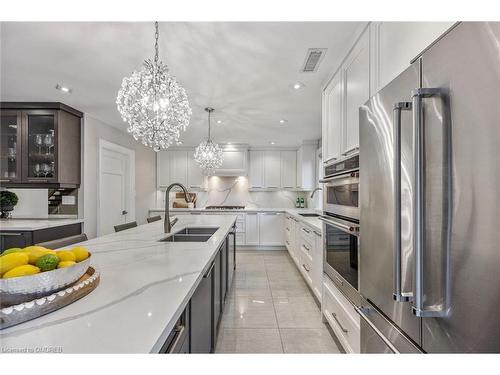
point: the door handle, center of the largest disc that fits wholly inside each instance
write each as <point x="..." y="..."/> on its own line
<point x="351" y="150"/>
<point x="398" y="294"/>
<point x="418" y="96"/>
<point x="339" y="324"/>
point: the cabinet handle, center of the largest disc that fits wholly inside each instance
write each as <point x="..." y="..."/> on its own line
<point x="304" y="267"/>
<point x="180" y="330"/>
<point x="10" y="234"/>
<point x="38" y="180"/>
<point x="288" y="229"/>
<point x="306" y="230"/>
<point x="305" y="247"/>
<point x="210" y="270"/>
<point x="288" y="243"/>
<point x="340" y="325"/>
<point x="5" y="180"/>
<point x="351" y="150"/>
<point x="316" y="233"/>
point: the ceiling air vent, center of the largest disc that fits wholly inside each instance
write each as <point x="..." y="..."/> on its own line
<point x="313" y="58"/>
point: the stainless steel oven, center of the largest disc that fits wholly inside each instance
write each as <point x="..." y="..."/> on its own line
<point x="341" y="258"/>
<point x="341" y="188"/>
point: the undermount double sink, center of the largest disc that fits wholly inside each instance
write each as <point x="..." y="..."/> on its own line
<point x="191" y="234"/>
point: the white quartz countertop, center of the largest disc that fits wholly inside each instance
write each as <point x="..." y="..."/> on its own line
<point x="313" y="222"/>
<point x="35" y="224"/>
<point x="144" y="287"/>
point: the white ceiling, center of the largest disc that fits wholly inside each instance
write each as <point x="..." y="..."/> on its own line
<point x="243" y="70"/>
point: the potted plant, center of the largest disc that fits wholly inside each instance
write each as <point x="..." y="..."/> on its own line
<point x="8" y="200"/>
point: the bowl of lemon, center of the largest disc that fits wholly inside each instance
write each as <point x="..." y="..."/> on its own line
<point x="34" y="271"/>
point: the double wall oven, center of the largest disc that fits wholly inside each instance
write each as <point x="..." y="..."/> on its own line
<point x="341" y="224"/>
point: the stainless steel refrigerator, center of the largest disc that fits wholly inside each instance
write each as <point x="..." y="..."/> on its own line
<point x="430" y="201"/>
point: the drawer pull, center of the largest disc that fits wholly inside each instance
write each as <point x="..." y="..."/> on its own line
<point x="304" y="267"/>
<point x="306" y="230"/>
<point x="179" y="333"/>
<point x="340" y="325"/>
<point x="305" y="247"/>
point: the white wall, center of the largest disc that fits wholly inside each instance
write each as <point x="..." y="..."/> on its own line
<point x="145" y="172"/>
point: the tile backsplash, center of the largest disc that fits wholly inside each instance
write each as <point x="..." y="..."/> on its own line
<point x="233" y="191"/>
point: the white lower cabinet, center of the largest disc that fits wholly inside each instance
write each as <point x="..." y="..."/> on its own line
<point x="271" y="229"/>
<point x="341" y="316"/>
<point x="252" y="229"/>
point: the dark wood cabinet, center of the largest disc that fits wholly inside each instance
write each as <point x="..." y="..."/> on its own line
<point x="41" y="145"/>
<point x="23" y="238"/>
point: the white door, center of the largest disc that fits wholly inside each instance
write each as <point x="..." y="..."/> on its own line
<point x="332" y="118"/>
<point x="272" y="169"/>
<point x="178" y="167"/>
<point x="271" y="229"/>
<point x="116" y="187"/>
<point x="256" y="169"/>
<point x="252" y="229"/>
<point x="194" y="172"/>
<point x="357" y="91"/>
<point x="288" y="169"/>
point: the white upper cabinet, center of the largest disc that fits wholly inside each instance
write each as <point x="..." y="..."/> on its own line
<point x="395" y="44"/>
<point x="272" y="169"/>
<point x="306" y="166"/>
<point x="194" y="173"/>
<point x="178" y="167"/>
<point x="162" y="169"/>
<point x="234" y="162"/>
<point x="256" y="169"/>
<point x="357" y="91"/>
<point x="288" y="169"/>
<point x="332" y="118"/>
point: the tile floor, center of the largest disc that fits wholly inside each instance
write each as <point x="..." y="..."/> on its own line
<point x="271" y="310"/>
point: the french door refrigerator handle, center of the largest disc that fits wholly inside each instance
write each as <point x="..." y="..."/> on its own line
<point x="398" y="295"/>
<point x="418" y="196"/>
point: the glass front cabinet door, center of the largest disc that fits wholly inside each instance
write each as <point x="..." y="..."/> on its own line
<point x="40" y="145"/>
<point x="10" y="146"/>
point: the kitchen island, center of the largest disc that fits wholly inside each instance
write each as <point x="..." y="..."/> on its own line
<point x="145" y="287"/>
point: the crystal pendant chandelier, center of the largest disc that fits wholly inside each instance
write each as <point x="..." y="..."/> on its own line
<point x="153" y="104"/>
<point x="208" y="154"/>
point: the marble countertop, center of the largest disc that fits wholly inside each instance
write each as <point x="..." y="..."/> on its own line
<point x="144" y="287"/>
<point x="313" y="222"/>
<point x="35" y="224"/>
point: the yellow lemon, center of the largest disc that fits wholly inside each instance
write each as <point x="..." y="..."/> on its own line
<point x="34" y="255"/>
<point x="11" y="250"/>
<point x="80" y="252"/>
<point x="65" y="255"/>
<point x="66" y="263"/>
<point x="30" y="249"/>
<point x="12" y="260"/>
<point x="24" y="270"/>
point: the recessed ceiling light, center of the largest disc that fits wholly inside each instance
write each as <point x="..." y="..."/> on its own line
<point x="272" y="142"/>
<point x="298" y="85"/>
<point x="282" y="121"/>
<point x="63" y="88"/>
<point x="219" y="121"/>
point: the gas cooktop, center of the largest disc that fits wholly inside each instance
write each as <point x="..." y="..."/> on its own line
<point x="225" y="207"/>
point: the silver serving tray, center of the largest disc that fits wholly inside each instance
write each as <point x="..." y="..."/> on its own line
<point x="17" y="290"/>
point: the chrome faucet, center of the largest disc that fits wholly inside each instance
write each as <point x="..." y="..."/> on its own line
<point x="314" y="191"/>
<point x="167" y="224"/>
